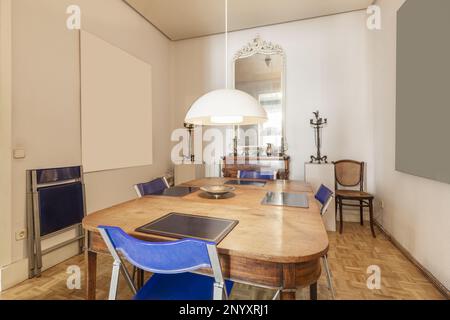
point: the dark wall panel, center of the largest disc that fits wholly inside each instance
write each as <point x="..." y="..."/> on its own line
<point x="423" y="89"/>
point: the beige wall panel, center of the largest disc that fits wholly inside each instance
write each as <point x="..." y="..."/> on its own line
<point x="116" y="107"/>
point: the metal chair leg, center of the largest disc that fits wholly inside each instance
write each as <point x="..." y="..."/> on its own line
<point x="329" y="278"/>
<point x="277" y="295"/>
<point x="138" y="277"/>
<point x="114" y="281"/>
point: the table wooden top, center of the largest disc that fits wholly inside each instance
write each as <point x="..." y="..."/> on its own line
<point x="269" y="233"/>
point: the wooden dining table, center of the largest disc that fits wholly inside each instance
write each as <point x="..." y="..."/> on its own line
<point x="276" y="247"/>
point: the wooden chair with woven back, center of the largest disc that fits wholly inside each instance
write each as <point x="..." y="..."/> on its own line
<point x="350" y="174"/>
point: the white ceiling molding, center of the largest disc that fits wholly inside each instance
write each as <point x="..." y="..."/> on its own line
<point x="185" y="19"/>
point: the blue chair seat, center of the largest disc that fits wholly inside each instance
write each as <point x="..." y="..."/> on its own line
<point x="182" y="286"/>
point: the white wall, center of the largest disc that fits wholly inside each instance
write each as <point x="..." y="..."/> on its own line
<point x="327" y="69"/>
<point x="416" y="211"/>
<point x="333" y="64"/>
<point x="46" y="96"/>
<point x="5" y="132"/>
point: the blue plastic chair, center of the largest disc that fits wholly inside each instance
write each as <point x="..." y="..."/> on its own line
<point x="156" y="186"/>
<point x="252" y="174"/>
<point x="171" y="263"/>
<point x="324" y="195"/>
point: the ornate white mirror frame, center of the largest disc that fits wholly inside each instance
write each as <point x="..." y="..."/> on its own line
<point x="259" y="46"/>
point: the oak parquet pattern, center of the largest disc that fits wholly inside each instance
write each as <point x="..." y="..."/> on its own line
<point x="349" y="256"/>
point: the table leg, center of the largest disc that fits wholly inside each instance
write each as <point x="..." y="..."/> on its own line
<point x="313" y="291"/>
<point x="91" y="274"/>
<point x="140" y="278"/>
<point x="287" y="294"/>
<point x="289" y="287"/>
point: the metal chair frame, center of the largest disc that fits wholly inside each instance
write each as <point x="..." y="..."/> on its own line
<point x="220" y="292"/>
<point x="57" y="177"/>
<point x="323" y="211"/>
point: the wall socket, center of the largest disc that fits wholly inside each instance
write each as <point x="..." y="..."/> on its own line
<point x="21" y="235"/>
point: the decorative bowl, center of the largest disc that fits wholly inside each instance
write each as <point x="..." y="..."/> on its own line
<point x="217" y="191"/>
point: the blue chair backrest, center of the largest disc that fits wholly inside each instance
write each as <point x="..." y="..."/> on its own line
<point x="252" y="174"/>
<point x="324" y="196"/>
<point x="153" y="187"/>
<point x="159" y="257"/>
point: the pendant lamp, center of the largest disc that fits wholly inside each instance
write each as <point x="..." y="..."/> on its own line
<point x="226" y="106"/>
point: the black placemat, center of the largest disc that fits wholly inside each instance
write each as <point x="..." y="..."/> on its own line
<point x="177" y="191"/>
<point x="182" y="225"/>
<point x="246" y="183"/>
<point x="299" y="200"/>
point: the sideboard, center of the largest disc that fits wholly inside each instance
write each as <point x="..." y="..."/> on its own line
<point x="231" y="165"/>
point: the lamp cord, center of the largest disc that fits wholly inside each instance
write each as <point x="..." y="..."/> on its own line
<point x="226" y="43"/>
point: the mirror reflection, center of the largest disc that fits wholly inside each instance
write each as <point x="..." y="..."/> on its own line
<point x="261" y="75"/>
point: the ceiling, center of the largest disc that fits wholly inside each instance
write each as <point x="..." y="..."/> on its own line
<point x="184" y="19"/>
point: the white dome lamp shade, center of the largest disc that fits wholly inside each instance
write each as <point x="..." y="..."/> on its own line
<point x="226" y="107"/>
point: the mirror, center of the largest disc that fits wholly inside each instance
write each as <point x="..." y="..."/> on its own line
<point x="259" y="70"/>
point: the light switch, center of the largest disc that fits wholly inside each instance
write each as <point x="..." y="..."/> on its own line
<point x="19" y="153"/>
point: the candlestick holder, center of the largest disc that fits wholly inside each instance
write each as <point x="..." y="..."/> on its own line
<point x="318" y="124"/>
<point x="190" y="128"/>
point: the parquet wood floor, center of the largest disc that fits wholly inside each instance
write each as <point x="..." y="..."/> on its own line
<point x="349" y="256"/>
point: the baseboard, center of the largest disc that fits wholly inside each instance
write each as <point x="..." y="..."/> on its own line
<point x="17" y="272"/>
<point x="440" y="286"/>
<point x="13" y="274"/>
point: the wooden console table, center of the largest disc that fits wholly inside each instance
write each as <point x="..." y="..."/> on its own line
<point x="231" y="165"/>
